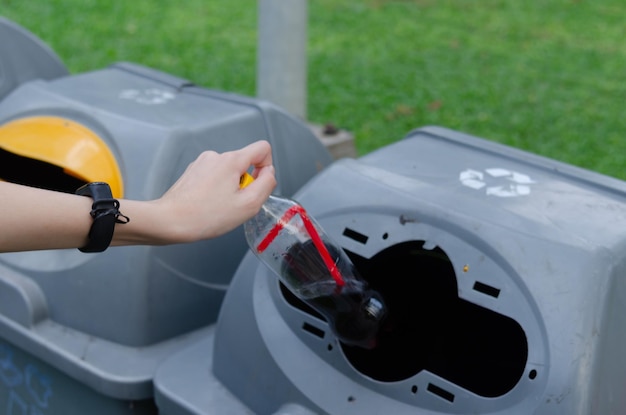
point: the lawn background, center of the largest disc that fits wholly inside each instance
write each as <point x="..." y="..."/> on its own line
<point x="547" y="76"/>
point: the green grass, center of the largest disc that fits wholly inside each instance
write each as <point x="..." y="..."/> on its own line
<point x="547" y="76"/>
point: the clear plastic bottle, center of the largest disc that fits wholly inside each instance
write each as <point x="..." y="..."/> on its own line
<point x="315" y="269"/>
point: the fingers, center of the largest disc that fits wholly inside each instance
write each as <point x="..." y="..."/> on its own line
<point x="265" y="181"/>
<point x="259" y="156"/>
<point x="260" y="153"/>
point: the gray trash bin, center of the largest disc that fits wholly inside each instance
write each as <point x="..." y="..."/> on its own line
<point x="24" y="57"/>
<point x="504" y="276"/>
<point x="85" y="333"/>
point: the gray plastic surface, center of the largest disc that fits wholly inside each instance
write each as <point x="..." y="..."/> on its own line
<point x="24" y="57"/>
<point x="107" y="320"/>
<point x="529" y="255"/>
<point x="30" y="386"/>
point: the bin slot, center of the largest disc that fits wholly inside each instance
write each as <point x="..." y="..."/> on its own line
<point x="486" y="289"/>
<point x="313" y="330"/>
<point x="354" y="235"/>
<point x="442" y="393"/>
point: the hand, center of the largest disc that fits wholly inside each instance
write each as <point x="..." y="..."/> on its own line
<point x="206" y="201"/>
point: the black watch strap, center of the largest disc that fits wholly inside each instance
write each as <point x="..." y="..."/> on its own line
<point x="105" y="213"/>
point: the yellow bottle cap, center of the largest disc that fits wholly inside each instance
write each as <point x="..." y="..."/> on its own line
<point x="245" y="180"/>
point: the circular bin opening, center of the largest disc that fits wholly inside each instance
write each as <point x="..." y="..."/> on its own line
<point x="56" y="153"/>
<point x="430" y="328"/>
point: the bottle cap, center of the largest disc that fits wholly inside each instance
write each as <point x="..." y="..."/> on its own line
<point x="245" y="180"/>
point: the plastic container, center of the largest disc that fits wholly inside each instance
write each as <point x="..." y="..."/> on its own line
<point x="315" y="269"/>
<point x="503" y="275"/>
<point x="104" y="322"/>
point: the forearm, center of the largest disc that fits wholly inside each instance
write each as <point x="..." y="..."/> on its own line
<point x="205" y="202"/>
<point x="33" y="219"/>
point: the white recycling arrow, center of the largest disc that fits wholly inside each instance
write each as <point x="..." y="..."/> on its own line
<point x="506" y="183"/>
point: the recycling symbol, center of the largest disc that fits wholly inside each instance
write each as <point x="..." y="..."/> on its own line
<point x="148" y="96"/>
<point x="497" y="182"/>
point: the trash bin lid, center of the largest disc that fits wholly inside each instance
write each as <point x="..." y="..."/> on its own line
<point x="64" y="143"/>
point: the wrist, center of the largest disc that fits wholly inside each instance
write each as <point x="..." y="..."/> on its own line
<point x="105" y="215"/>
<point x="151" y="225"/>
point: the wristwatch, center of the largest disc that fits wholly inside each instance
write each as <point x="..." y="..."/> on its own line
<point x="105" y="213"/>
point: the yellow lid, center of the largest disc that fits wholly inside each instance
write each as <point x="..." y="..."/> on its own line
<point x="66" y="144"/>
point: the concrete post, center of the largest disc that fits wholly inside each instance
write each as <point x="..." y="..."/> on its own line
<point x="282" y="54"/>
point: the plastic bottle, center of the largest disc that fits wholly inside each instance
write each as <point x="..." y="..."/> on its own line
<point x="315" y="269"/>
